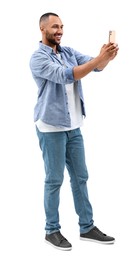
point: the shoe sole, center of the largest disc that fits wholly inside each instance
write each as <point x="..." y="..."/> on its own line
<point x="58" y="247"/>
<point x="97" y="241"/>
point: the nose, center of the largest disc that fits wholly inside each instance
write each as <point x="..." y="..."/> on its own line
<point x="60" y="30"/>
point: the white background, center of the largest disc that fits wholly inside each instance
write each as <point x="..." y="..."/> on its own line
<point x="109" y="130"/>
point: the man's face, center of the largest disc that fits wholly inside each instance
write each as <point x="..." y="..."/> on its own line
<point x="52" y="31"/>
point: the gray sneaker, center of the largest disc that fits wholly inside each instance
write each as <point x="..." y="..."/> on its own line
<point x="96" y="235"/>
<point x="58" y="241"/>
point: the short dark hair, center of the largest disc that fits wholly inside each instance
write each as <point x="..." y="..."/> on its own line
<point x="46" y="16"/>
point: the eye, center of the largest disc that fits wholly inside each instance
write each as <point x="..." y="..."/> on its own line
<point x="55" y="26"/>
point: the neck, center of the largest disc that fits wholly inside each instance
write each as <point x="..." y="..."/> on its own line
<point x="54" y="47"/>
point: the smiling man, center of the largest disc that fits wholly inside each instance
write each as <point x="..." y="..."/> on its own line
<point x="58" y="116"/>
<point x="52" y="30"/>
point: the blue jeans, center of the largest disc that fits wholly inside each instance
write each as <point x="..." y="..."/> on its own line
<point x="60" y="149"/>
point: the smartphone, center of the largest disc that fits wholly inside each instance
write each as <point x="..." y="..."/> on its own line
<point x="112" y="36"/>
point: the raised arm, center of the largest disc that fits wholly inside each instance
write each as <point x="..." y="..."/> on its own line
<point x="107" y="53"/>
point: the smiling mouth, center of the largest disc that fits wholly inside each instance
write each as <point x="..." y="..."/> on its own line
<point x="58" y="36"/>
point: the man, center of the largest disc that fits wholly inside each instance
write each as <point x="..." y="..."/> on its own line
<point x="58" y="116"/>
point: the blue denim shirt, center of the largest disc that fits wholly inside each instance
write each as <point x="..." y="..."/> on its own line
<point x="51" y="75"/>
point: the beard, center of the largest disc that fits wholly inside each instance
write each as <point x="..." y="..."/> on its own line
<point x="51" y="40"/>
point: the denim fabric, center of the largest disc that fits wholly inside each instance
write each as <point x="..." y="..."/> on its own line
<point x="51" y="75"/>
<point x="60" y="149"/>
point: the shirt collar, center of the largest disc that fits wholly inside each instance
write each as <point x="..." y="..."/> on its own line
<point x="48" y="48"/>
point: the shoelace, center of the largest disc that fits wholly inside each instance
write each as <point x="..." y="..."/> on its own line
<point x="98" y="231"/>
<point x="61" y="238"/>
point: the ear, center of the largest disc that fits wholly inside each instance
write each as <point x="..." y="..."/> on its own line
<point x="42" y="28"/>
